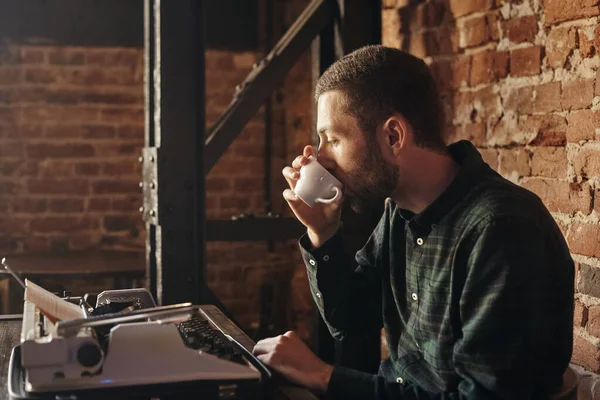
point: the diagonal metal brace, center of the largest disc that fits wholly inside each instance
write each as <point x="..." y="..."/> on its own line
<point x="263" y="79"/>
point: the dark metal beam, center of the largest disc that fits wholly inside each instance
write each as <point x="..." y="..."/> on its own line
<point x="265" y="77"/>
<point x="174" y="198"/>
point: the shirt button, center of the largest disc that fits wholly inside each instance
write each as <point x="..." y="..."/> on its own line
<point x="325" y="258"/>
<point x="399" y="380"/>
<point x="419" y="241"/>
<point x="318" y="295"/>
<point x="414" y="296"/>
<point x="312" y="262"/>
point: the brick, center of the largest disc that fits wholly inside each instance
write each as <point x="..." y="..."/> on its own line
<point x="58" y="186"/>
<point x="475" y="133"/>
<point x="585" y="354"/>
<point x="36" y="244"/>
<point x="40" y="75"/>
<point x="580" y="315"/>
<point x="117" y="168"/>
<point x="461" y="71"/>
<point x="563" y="197"/>
<point x="560" y="44"/>
<point x="475" y="32"/>
<point x="582" y="125"/>
<point x="486" y="103"/>
<point x="547" y="98"/>
<point x="584" y="239"/>
<point x="87" y="169"/>
<point x="61" y="224"/>
<point x="586" y="163"/>
<point x="577" y="94"/>
<point x="65" y="57"/>
<point x="490" y="157"/>
<point x="32" y="55"/>
<point x="117" y="58"/>
<point x="114" y="97"/>
<point x="247" y="184"/>
<point x="558" y="10"/>
<point x="592" y="317"/>
<point x="520" y="100"/>
<point x="14" y="225"/>
<point x="131" y="204"/>
<point x="526" y="61"/>
<point x="130" y="132"/>
<point x="423" y="44"/>
<point x="96" y="204"/>
<point x="502" y="132"/>
<point x="47" y="150"/>
<point x="115" y="186"/>
<point x="549" y="130"/>
<point x="30" y="206"/>
<point x="549" y="162"/>
<point x="120" y="223"/>
<point x="10" y="75"/>
<point x="239" y="203"/>
<point x="66" y="205"/>
<point x="442" y="74"/>
<point x="514" y="161"/>
<point x="589" y="283"/>
<point x="489" y="66"/>
<point x="587" y="46"/>
<point x="122" y="115"/>
<point x="390" y="27"/>
<point x="523" y="29"/>
<point x="217" y="184"/>
<point x="597" y="86"/>
<point x="461" y="7"/>
<point x="58" y="113"/>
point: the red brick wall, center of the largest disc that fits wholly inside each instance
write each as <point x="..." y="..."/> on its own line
<point x="520" y="81"/>
<point x="71" y="129"/>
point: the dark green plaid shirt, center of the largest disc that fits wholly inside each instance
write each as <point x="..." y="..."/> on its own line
<point x="475" y="294"/>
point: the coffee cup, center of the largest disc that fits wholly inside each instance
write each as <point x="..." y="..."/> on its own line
<point x="317" y="185"/>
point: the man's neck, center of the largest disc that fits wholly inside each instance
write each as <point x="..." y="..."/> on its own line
<point x="423" y="178"/>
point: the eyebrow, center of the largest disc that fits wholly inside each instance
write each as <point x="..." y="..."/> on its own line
<point x="323" y="130"/>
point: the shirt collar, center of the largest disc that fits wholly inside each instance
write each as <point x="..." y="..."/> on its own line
<point x="471" y="169"/>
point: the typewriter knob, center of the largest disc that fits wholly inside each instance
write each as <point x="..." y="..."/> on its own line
<point x="89" y="354"/>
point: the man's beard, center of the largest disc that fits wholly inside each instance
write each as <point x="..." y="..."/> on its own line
<point x="371" y="181"/>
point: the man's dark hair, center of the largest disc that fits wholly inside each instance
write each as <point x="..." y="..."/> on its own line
<point x="379" y="81"/>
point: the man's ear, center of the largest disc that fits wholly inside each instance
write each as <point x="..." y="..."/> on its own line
<point x="395" y="131"/>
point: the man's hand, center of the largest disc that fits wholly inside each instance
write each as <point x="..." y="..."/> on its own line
<point x="321" y="220"/>
<point x="289" y="355"/>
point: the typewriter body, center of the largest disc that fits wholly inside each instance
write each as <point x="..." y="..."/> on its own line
<point x="127" y="346"/>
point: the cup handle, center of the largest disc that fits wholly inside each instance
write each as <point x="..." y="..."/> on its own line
<point x="338" y="194"/>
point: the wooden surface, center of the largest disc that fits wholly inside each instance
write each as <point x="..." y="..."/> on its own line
<point x="79" y="263"/>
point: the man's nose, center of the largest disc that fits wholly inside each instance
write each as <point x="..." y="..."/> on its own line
<point x="325" y="160"/>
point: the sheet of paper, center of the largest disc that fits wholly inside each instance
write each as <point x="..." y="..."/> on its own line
<point x="50" y="304"/>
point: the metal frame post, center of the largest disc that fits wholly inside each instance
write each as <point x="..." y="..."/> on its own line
<point x="173" y="167"/>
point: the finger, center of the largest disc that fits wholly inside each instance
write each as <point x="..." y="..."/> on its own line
<point x="290" y="334"/>
<point x="264" y="346"/>
<point x="291" y="197"/>
<point x="299" y="162"/>
<point x="291" y="176"/>
<point x="265" y="359"/>
<point x="308" y="151"/>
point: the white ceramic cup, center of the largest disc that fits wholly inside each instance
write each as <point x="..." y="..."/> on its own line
<point x="317" y="185"/>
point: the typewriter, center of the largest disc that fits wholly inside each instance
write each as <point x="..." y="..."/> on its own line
<point x="128" y="347"/>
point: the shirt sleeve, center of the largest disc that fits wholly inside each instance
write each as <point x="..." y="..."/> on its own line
<point x="347" y="292"/>
<point x="510" y="308"/>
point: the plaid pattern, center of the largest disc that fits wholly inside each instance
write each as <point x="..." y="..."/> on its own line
<point x="475" y="293"/>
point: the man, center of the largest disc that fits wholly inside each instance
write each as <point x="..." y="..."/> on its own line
<point x="468" y="273"/>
